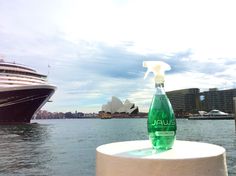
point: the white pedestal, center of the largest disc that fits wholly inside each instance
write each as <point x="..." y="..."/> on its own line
<point x="136" y="158"/>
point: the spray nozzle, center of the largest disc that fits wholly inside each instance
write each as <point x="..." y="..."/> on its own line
<point x="158" y="68"/>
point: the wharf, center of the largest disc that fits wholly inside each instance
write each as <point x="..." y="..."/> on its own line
<point x="198" y="117"/>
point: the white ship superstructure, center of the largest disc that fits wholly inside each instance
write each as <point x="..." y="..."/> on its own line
<point x="12" y="75"/>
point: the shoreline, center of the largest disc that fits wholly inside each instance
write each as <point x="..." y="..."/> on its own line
<point x="184" y="118"/>
<point x="211" y="118"/>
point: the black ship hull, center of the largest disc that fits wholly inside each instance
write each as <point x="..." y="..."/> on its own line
<point x="19" y="104"/>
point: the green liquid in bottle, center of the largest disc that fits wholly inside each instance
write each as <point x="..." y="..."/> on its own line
<point x="161" y="122"/>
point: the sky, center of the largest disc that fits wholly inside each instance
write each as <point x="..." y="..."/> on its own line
<point x="93" y="50"/>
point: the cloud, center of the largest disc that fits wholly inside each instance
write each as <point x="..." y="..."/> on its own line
<point x="112" y="61"/>
<point x="92" y="52"/>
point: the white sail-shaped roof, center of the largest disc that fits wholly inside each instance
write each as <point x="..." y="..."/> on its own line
<point x="116" y="106"/>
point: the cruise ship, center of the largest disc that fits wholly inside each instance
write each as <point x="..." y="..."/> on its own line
<point x="23" y="92"/>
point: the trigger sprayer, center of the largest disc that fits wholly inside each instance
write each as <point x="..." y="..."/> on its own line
<point x="158" y="68"/>
<point x="161" y="119"/>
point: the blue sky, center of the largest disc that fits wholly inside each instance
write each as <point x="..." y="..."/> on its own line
<point x="95" y="49"/>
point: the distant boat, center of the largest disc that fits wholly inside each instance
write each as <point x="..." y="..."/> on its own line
<point x="23" y="92"/>
<point x="202" y="112"/>
<point x="216" y="112"/>
<point x="104" y="115"/>
<point x="213" y="114"/>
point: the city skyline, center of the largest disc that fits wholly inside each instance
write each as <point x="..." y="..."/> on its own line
<point x="93" y="50"/>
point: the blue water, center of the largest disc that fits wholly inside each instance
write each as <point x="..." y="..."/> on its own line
<point x="68" y="147"/>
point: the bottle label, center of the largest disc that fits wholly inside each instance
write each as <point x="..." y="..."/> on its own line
<point x="164" y="133"/>
<point x="163" y="123"/>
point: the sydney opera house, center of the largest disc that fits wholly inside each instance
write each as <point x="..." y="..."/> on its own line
<point x="116" y="106"/>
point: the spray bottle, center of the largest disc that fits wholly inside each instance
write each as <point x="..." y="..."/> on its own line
<point x="161" y="119"/>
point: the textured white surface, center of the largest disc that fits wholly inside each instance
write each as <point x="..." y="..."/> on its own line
<point x="184" y="159"/>
<point x="116" y="105"/>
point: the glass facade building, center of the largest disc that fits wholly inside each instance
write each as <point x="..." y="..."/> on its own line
<point x="192" y="100"/>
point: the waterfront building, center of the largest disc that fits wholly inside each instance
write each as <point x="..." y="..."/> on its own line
<point x="116" y="106"/>
<point x="192" y="100"/>
<point x="219" y="99"/>
<point x="184" y="100"/>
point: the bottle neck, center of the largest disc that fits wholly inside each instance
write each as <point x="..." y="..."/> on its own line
<point x="160" y="89"/>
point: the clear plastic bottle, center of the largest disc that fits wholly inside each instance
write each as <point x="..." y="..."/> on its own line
<point x="161" y="119"/>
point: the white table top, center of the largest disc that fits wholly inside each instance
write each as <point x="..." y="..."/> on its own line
<point x="143" y="150"/>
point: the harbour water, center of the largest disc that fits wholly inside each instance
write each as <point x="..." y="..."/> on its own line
<point x="68" y="147"/>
